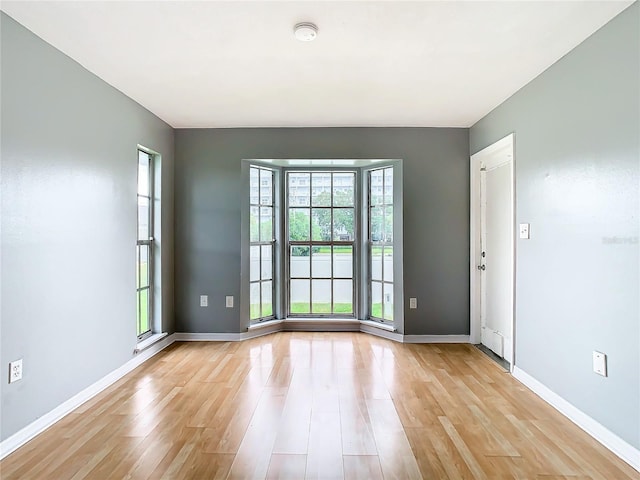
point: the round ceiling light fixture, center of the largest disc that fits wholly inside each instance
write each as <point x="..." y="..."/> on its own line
<point x="305" y="32"/>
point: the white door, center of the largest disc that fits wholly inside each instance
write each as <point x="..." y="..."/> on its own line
<point x="496" y="256"/>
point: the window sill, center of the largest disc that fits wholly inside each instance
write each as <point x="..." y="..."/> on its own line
<point x="321" y="319"/>
<point x="380" y="325"/>
<point x="147" y="342"/>
<point x="322" y="324"/>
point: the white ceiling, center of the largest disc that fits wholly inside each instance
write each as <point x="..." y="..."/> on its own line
<point x="389" y="63"/>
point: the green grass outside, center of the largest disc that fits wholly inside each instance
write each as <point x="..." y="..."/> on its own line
<point x="142" y="306"/>
<point x="254" y="311"/>
<point x="322" y="308"/>
<point x="378" y="251"/>
<point x="142" y="311"/>
<point x="376" y="311"/>
<point x="302" y="307"/>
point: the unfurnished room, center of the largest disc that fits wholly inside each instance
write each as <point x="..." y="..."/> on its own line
<point x="320" y="240"/>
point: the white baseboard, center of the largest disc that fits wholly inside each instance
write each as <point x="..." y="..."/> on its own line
<point x="255" y="331"/>
<point x="148" y="342"/>
<point x="306" y="325"/>
<point x="436" y="339"/>
<point x="379" y="332"/>
<point x="36" y="427"/>
<point x="259" y="330"/>
<point x="208" y="337"/>
<point x="622" y="449"/>
<point x="384" y="326"/>
<point x="265" y="324"/>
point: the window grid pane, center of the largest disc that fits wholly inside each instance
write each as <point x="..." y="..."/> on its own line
<point x="298" y="191"/>
<point x="300" y="293"/>
<point x="266" y="262"/>
<point x="342" y="261"/>
<point x="254" y="263"/>
<point x="343" y="189"/>
<point x="299" y="224"/>
<point x="266" y="224"/>
<point x="254" y="300"/>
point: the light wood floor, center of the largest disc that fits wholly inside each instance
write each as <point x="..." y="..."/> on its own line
<point x="315" y="405"/>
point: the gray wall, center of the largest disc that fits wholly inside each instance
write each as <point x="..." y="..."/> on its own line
<point x="69" y="224"/>
<point x="577" y="155"/>
<point x="436" y="215"/>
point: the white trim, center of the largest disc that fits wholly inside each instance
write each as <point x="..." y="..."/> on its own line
<point x="321" y="325"/>
<point x="41" y="424"/>
<point x="508" y="351"/>
<point x="505" y="145"/>
<point x="606" y="437"/>
<point x="271" y="327"/>
<point x="208" y="337"/>
<point x="380" y="325"/>
<point x="378" y="332"/>
<point x="320" y="162"/>
<point x="147" y="342"/>
<point x="262" y="329"/>
<point x="265" y="324"/>
<point x="436" y="339"/>
<point x="474" y="234"/>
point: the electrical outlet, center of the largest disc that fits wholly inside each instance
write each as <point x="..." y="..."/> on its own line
<point x="229" y="301"/>
<point x="15" y="371"/>
<point x="524" y="231"/>
<point x="204" y="300"/>
<point x="413" y="303"/>
<point x="600" y="363"/>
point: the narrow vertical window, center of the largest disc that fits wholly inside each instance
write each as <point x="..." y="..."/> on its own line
<point x="262" y="243"/>
<point x="144" y="246"/>
<point x="381" y="244"/>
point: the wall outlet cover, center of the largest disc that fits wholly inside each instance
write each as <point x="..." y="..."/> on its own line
<point x="413" y="303"/>
<point x="524" y="231"/>
<point x="204" y="300"/>
<point x="15" y="371"/>
<point x="229" y="301"/>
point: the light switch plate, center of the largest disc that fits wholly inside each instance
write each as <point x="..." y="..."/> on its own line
<point x="600" y="363"/>
<point x="413" y="303"/>
<point x="229" y="301"/>
<point x="204" y="300"/>
<point x="524" y="231"/>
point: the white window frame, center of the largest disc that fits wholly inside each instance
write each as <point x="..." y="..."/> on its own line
<point x="260" y="243"/>
<point x="361" y="308"/>
<point x="320" y="243"/>
<point x="383" y="244"/>
<point x="148" y="242"/>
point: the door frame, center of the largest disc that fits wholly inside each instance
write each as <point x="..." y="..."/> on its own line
<point x="504" y="146"/>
